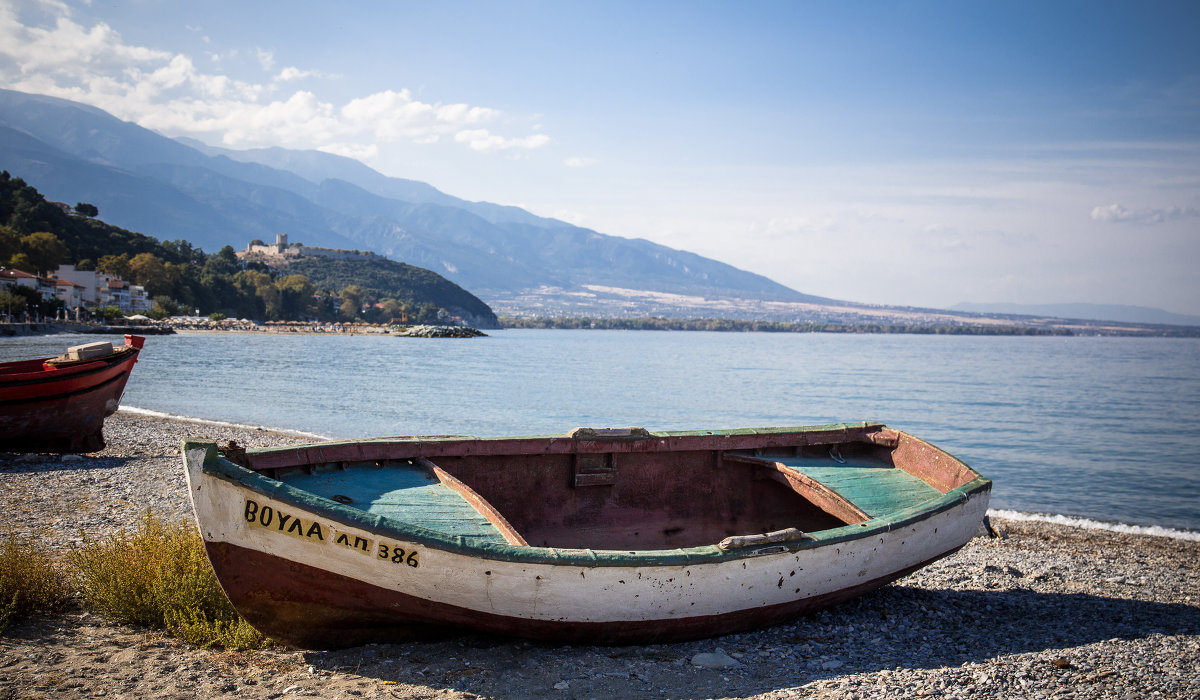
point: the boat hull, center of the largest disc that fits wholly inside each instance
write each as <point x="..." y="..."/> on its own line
<point x="314" y="608"/>
<point x="62" y="410"/>
<point x="306" y="576"/>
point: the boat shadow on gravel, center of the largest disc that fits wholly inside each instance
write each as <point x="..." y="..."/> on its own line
<point x="897" y="627"/>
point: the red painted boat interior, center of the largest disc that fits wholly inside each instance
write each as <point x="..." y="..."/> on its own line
<point x="656" y="500"/>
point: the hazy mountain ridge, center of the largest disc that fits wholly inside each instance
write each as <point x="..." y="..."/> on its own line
<point x="212" y="197"/>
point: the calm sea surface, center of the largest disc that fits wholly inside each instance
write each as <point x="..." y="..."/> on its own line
<point x="1103" y="428"/>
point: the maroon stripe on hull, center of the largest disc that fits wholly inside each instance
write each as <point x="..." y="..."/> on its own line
<point x="316" y="609"/>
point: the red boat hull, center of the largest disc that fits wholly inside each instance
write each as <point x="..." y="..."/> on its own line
<point x="62" y="409"/>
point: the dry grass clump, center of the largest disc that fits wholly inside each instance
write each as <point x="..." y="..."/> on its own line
<point x="159" y="576"/>
<point x="30" y="581"/>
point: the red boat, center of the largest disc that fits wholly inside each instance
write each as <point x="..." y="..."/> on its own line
<point x="59" y="404"/>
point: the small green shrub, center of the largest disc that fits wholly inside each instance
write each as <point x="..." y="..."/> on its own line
<point x="30" y="581"/>
<point x="159" y="576"/>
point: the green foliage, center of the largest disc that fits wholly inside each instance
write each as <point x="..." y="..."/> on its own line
<point x="190" y="279"/>
<point x="26" y="298"/>
<point x="11" y="302"/>
<point x="21" y="261"/>
<point x="159" y="576"/>
<point x="164" y="306"/>
<point x="115" y="265"/>
<point x="10" y="243"/>
<point x="217" y="316"/>
<point x="30" y="581"/>
<point x="110" y="313"/>
<point x="378" y="279"/>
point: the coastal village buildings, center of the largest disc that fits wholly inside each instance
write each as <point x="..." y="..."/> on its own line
<point x="100" y="289"/>
<point x="82" y="289"/>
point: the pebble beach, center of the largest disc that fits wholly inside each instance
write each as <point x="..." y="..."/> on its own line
<point x="1047" y="611"/>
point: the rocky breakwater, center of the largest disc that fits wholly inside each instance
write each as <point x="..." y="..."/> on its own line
<point x="438" y="332"/>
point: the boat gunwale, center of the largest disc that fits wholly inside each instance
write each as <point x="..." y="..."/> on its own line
<point x="217" y="466"/>
<point x="125" y="354"/>
<point x="368" y="449"/>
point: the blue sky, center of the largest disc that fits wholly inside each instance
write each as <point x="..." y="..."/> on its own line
<point x="919" y="153"/>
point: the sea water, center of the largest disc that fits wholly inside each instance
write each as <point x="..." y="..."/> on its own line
<point x="1087" y="427"/>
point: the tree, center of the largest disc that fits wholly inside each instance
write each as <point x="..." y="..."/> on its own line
<point x="85" y="209"/>
<point x="11" y="304"/>
<point x="44" y="250"/>
<point x="23" y="262"/>
<point x="296" y="296"/>
<point x="225" y="262"/>
<point x="115" y="265"/>
<point x="394" y="310"/>
<point x="10" y="243"/>
<point x="351" y="303"/>
<point x="147" y="270"/>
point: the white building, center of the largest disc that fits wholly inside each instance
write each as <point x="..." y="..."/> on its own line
<point x="18" y="278"/>
<point x="69" y="293"/>
<point x="100" y="289"/>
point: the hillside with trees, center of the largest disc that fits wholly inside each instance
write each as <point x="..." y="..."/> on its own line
<point x="395" y="286"/>
<point x="36" y="236"/>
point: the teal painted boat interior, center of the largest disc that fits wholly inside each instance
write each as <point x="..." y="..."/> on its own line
<point x="875" y="487"/>
<point x="404" y="493"/>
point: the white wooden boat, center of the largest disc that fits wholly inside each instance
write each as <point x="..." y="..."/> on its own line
<point x="600" y="536"/>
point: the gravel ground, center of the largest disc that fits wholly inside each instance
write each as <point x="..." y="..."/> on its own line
<point x="1047" y="612"/>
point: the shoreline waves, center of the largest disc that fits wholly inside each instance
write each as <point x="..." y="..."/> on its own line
<point x="163" y="415"/>
<point x="1054" y="609"/>
<point x="1092" y="524"/>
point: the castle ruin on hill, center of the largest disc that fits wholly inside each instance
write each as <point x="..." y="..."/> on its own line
<point x="281" y="252"/>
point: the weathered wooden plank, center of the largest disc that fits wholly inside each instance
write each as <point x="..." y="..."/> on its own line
<point x="406" y="493"/>
<point x="875" y="488"/>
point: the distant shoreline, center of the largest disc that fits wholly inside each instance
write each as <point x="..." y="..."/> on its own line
<point x="1073" y="328"/>
<point x="625" y="324"/>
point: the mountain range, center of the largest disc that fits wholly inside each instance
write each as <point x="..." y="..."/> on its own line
<point x="519" y="263"/>
<point x="213" y="197"/>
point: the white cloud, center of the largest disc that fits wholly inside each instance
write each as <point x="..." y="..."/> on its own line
<point x="580" y="162"/>
<point x="292" y="73"/>
<point x="167" y="92"/>
<point x="484" y="140"/>
<point x="1116" y="213"/>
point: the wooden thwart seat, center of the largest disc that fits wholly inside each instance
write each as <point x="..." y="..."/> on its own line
<point x="853" y="489"/>
<point x="420" y="493"/>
